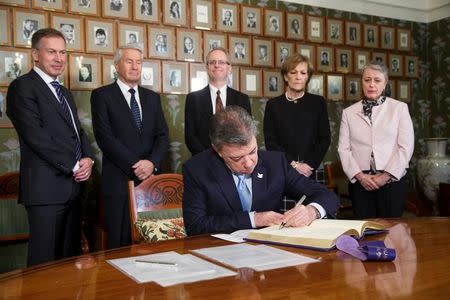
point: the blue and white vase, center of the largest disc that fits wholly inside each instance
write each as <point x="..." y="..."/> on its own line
<point x="433" y="169"/>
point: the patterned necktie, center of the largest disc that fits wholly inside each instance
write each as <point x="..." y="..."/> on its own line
<point x="219" y="104"/>
<point x="135" y="110"/>
<point x="65" y="107"/>
<point x="244" y="193"/>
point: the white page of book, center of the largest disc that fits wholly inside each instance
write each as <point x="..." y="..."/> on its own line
<point x="259" y="257"/>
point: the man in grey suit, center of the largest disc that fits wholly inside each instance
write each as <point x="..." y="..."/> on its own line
<point x="55" y="158"/>
<point x="131" y="131"/>
<point x="201" y="105"/>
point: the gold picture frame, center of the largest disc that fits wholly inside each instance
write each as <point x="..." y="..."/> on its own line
<point x="85" y="71"/>
<point x="250" y="81"/>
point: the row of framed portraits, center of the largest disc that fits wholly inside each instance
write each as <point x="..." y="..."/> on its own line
<point x="229" y="17"/>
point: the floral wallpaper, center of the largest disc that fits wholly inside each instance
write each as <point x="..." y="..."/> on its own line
<point x="429" y="107"/>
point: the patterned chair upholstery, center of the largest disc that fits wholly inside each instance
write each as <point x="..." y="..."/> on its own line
<point x="155" y="208"/>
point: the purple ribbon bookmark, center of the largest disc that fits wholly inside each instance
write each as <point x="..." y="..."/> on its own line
<point x="370" y="251"/>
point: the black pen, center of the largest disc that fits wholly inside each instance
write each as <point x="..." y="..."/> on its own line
<point x="166" y="263"/>
<point x="297" y="204"/>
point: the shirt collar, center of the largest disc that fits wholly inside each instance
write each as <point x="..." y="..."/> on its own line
<point x="47" y="78"/>
<point x="125" y="87"/>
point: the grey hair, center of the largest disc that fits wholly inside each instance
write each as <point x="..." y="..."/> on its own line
<point x="377" y="66"/>
<point x="232" y="126"/>
<point x="118" y="52"/>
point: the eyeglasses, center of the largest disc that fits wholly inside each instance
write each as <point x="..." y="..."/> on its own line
<point x="219" y="62"/>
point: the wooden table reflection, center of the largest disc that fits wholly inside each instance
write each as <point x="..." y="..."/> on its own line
<point x="421" y="270"/>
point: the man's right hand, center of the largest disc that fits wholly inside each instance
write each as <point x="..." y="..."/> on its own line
<point x="267" y="218"/>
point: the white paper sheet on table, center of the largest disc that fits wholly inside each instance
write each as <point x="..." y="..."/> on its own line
<point x="235" y="237"/>
<point x="259" y="258"/>
<point x="188" y="268"/>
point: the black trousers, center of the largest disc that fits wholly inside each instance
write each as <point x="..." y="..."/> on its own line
<point x="387" y="202"/>
<point x="117" y="221"/>
<point x="55" y="230"/>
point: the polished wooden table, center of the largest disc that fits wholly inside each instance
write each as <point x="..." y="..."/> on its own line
<point x="420" y="271"/>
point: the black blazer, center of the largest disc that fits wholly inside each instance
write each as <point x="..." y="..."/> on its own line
<point x="120" y="140"/>
<point x="211" y="201"/>
<point x="198" y="112"/>
<point x="47" y="140"/>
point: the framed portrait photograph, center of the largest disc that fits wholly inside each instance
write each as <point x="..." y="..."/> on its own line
<point x="85" y="7"/>
<point x="344" y="60"/>
<point x="109" y="73"/>
<point x="404" y="90"/>
<point x="362" y="57"/>
<point x="391" y="89"/>
<point x="379" y="57"/>
<point x="117" y="9"/>
<point x="403" y="39"/>
<point x="315" y="27"/>
<point x="412" y="66"/>
<point x="13" y="63"/>
<point x="84" y="71"/>
<point x="335" y="31"/>
<point x="274" y="23"/>
<point x="19" y="3"/>
<point x="273" y="83"/>
<point x="175" y="75"/>
<point x="353" y="88"/>
<point x="233" y="78"/>
<point x="175" y="12"/>
<point x="251" y="20"/>
<point x="352" y="33"/>
<point x="198" y="76"/>
<point x="25" y="24"/>
<point x="316" y="86"/>
<point x="5" y="122"/>
<point x="395" y="65"/>
<point x="146" y="11"/>
<point x="132" y="33"/>
<point x="151" y="75"/>
<point x="5" y="26"/>
<point x="189" y="47"/>
<point x="387" y="37"/>
<point x="227" y="17"/>
<point x="307" y="50"/>
<point x="212" y="40"/>
<point x="161" y="42"/>
<point x="295" y="26"/>
<point x="335" y="87"/>
<point x="262" y="52"/>
<point x="202" y="14"/>
<point x="54" y="5"/>
<point x="100" y="36"/>
<point x="240" y="49"/>
<point x="251" y="79"/>
<point x="325" y="59"/>
<point x="371" y="36"/>
<point x="282" y="51"/>
<point x="72" y="28"/>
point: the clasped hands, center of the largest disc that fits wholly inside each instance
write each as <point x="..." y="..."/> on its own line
<point x="143" y="169"/>
<point x="373" y="182"/>
<point x="302" y="168"/>
<point x="85" y="169"/>
<point x="296" y="217"/>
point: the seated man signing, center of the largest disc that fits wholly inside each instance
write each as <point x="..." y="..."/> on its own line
<point x="234" y="186"/>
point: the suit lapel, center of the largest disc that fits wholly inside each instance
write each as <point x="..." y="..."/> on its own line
<point x="259" y="185"/>
<point x="144" y="99"/>
<point x="206" y="94"/>
<point x="122" y="104"/>
<point x="360" y="113"/>
<point x="225" y="182"/>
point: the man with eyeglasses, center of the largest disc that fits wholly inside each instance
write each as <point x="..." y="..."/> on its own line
<point x="234" y="186"/>
<point x="203" y="104"/>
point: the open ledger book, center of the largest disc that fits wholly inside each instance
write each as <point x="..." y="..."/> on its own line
<point x="321" y="234"/>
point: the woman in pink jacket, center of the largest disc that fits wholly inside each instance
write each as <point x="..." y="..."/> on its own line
<point x="376" y="142"/>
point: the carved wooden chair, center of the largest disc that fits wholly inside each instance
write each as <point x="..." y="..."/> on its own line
<point x="155" y="208"/>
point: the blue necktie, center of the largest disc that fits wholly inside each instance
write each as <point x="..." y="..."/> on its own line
<point x="244" y="193"/>
<point x="135" y="110"/>
<point x="65" y="107"/>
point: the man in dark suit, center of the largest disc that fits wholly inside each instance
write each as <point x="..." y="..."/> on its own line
<point x="131" y="131"/>
<point x="234" y="186"/>
<point x="201" y="105"/>
<point x="54" y="151"/>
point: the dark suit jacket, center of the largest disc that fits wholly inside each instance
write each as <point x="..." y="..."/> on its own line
<point x="47" y="140"/>
<point x="198" y="113"/>
<point x="119" y="138"/>
<point x="211" y="202"/>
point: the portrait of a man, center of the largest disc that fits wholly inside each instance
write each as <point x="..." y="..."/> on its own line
<point x="227" y="17"/>
<point x="146" y="8"/>
<point x="352" y="33"/>
<point x="85" y="73"/>
<point x="353" y="88"/>
<point x="213" y="44"/>
<point x="395" y="65"/>
<point x="13" y="68"/>
<point x="188" y="45"/>
<point x="132" y="37"/>
<point x="295" y="26"/>
<point x="411" y="67"/>
<point x="343" y="61"/>
<point x="273" y="83"/>
<point x="387" y="38"/>
<point x="324" y="58"/>
<point x="251" y="20"/>
<point x="115" y="5"/>
<point x="175" y="78"/>
<point x="239" y="50"/>
<point x="100" y="37"/>
<point x="370" y="36"/>
<point x="161" y="43"/>
<point x="68" y="30"/>
<point x="262" y="53"/>
<point x="284" y="53"/>
<point x="274" y="24"/>
<point x="334" y="31"/>
<point x="28" y="28"/>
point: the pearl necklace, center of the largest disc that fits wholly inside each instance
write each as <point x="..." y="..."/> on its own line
<point x="295" y="100"/>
